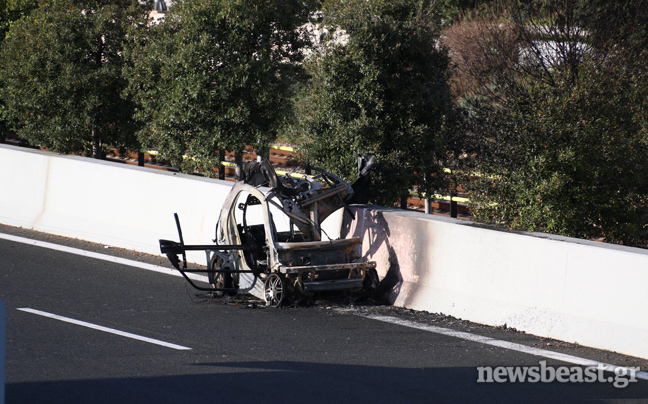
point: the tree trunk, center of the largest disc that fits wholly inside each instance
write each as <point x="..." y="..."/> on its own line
<point x="403" y="201"/>
<point x="96" y="144"/>
<point x="221" y="167"/>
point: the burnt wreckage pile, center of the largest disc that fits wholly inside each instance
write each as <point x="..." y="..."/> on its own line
<point x="269" y="237"/>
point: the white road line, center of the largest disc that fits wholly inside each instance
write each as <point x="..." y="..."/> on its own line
<point x="501" y="344"/>
<point x="105" y="329"/>
<point x="103" y="257"/>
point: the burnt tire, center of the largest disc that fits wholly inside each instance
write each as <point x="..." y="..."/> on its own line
<point x="371" y="282"/>
<point x="370" y="286"/>
<point x="220" y="280"/>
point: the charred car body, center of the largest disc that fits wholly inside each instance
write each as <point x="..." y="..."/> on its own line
<point x="269" y="240"/>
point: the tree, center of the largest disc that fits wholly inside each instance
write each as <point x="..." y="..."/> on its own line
<point x="215" y="75"/>
<point x="62" y="73"/>
<point x="615" y="24"/>
<point x="10" y="11"/>
<point x="378" y="85"/>
<point x="568" y="160"/>
<point x="559" y="134"/>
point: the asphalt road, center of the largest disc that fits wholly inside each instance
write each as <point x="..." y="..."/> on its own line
<point x="240" y="352"/>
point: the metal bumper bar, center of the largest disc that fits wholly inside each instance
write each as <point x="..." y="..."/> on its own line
<point x="336" y="284"/>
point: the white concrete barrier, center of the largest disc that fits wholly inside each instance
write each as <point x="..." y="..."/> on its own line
<point x="110" y="203"/>
<point x="573" y="290"/>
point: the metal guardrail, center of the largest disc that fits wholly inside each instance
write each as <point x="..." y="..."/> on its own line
<point x="437" y="197"/>
<point x="440" y="197"/>
<point x="289" y="149"/>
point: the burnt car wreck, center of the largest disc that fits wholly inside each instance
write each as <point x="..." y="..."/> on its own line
<point x="269" y="241"/>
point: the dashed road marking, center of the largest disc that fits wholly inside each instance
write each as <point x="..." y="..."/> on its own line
<point x="105" y="329"/>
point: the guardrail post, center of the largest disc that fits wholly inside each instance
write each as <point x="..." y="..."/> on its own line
<point x="428" y="205"/>
<point x="453" y="206"/>
<point x="3" y="358"/>
<point x="238" y="160"/>
<point x="140" y="159"/>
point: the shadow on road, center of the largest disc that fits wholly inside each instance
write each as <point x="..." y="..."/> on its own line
<point x="307" y="382"/>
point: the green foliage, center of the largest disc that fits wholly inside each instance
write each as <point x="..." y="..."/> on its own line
<point x="216" y="75"/>
<point x="10" y="11"/>
<point x="568" y="159"/>
<point x="557" y="143"/>
<point x="615" y="23"/>
<point x="452" y="10"/>
<point x="379" y="88"/>
<point x="13" y="10"/>
<point x="62" y="72"/>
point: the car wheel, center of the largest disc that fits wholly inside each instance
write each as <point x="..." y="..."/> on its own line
<point x="274" y="290"/>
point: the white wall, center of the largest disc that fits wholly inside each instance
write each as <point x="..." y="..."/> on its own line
<point x="110" y="203"/>
<point x="573" y="290"/>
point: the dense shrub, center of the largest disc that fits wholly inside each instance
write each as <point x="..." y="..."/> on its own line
<point x="216" y="75"/>
<point x="558" y="143"/>
<point x="381" y="88"/>
<point x="61" y="69"/>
